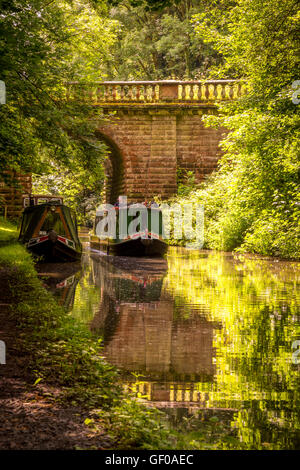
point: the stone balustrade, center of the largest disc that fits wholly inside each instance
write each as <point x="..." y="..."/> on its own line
<point x="157" y="92"/>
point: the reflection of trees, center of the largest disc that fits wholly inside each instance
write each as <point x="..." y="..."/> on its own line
<point x="257" y="302"/>
<point x="212" y="332"/>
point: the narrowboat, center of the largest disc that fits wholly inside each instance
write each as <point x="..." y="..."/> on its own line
<point x="147" y="240"/>
<point x="49" y="230"/>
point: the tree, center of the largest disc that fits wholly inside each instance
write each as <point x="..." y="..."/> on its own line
<point x="156" y="41"/>
<point x="44" y="45"/>
<point x="253" y="200"/>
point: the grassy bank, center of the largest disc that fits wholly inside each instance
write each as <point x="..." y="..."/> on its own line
<point x="8" y="231"/>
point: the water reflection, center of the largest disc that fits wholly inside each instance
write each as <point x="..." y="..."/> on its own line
<point x="143" y="331"/>
<point x="61" y="280"/>
<point x="202" y="330"/>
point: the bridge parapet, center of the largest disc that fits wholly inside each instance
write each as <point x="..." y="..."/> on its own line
<point x="166" y="92"/>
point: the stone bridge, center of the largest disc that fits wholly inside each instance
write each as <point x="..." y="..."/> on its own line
<point x="155" y="128"/>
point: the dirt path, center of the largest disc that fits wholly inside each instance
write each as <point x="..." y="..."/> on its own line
<point x="29" y="416"/>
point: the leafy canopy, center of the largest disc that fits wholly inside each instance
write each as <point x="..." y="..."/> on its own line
<point x="253" y="200"/>
<point x="43" y="46"/>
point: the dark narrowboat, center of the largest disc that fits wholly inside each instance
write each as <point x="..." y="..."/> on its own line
<point x="49" y="231"/>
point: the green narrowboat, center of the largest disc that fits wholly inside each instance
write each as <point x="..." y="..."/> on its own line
<point x="49" y="231"/>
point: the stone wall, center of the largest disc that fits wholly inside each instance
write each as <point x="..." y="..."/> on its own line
<point x="11" y="195"/>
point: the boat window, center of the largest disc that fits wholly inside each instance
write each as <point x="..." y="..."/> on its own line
<point x="53" y="222"/>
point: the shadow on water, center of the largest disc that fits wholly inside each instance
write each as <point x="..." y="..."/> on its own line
<point x="201" y="335"/>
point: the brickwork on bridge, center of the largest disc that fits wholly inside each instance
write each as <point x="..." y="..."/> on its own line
<point x="154" y="144"/>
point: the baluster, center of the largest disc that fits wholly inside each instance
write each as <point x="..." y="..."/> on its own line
<point x="227" y="92"/>
<point x="180" y="92"/>
<point x="114" y="92"/>
<point x="149" y="93"/>
<point x="156" y="92"/>
<point x="109" y="93"/>
<point x="215" y="92"/>
<point x="211" y="92"/>
<point x="195" y="92"/>
<point x="233" y="90"/>
<point x="136" y="92"/>
<point x="187" y="92"/>
<point x="240" y="89"/>
<point x="183" y="92"/>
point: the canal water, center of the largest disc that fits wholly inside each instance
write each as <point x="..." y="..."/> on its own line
<point x="200" y="334"/>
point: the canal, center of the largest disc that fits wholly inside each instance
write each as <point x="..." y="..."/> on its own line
<point x="204" y="336"/>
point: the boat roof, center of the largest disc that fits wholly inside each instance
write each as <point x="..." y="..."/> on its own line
<point x="32" y="215"/>
<point x="45" y="204"/>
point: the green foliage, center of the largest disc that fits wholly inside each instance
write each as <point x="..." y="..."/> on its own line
<point x="136" y="426"/>
<point x="8" y="231"/>
<point x="185" y="182"/>
<point x="252" y="202"/>
<point x="43" y="46"/>
<point x="82" y="191"/>
<point x="156" y="41"/>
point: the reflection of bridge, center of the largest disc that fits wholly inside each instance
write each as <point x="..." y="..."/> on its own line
<point x="170" y="394"/>
<point x="157" y="129"/>
<point x="146" y="334"/>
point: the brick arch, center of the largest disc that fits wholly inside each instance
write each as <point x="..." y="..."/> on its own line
<point x="114" y="169"/>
